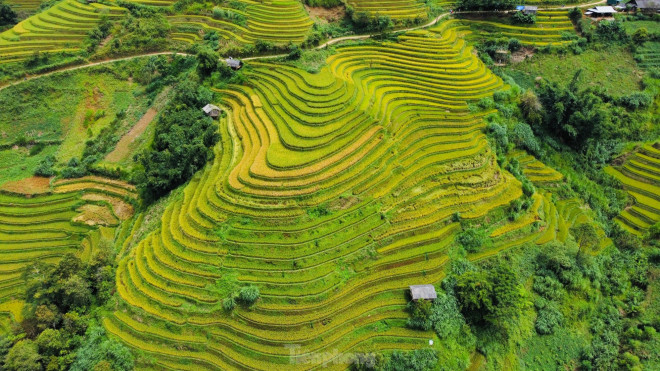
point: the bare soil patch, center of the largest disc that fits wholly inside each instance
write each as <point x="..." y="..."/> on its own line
<point x="521" y="55"/>
<point x="28" y="186"/>
<point x="123" y="147"/>
<point x="122" y="209"/>
<point x="329" y="14"/>
<point x="95" y="215"/>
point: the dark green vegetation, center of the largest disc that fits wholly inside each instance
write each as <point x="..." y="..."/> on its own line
<point x="182" y="142"/>
<point x="60" y="330"/>
<point x="81" y="118"/>
<point x="7" y="15"/>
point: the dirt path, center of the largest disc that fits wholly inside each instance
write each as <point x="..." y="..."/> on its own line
<point x="325" y="44"/>
<point x="73" y="68"/>
<point x="122" y="147"/>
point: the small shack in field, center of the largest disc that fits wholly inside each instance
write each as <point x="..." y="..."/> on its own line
<point x="601" y="11"/>
<point x="426" y="292"/>
<point x="235" y="64"/>
<point x="212" y="111"/>
<point x="645" y="6"/>
<point x="530" y="9"/>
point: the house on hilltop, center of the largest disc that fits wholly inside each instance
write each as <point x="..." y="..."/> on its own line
<point x="426" y="292"/>
<point x="645" y="6"/>
<point x="601" y="11"/>
<point x="235" y="64"/>
<point x="212" y="111"/>
<point x="528" y="9"/>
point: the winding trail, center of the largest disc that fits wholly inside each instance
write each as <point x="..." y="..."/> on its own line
<point x="431" y="23"/>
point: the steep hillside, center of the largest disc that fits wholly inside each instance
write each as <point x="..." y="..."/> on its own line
<point x="332" y="193"/>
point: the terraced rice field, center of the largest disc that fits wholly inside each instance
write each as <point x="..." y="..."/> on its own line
<point x="640" y="176"/>
<point x="28" y="6"/>
<point x="61" y="28"/>
<point x="45" y="227"/>
<point x="649" y="55"/>
<point x="535" y="170"/>
<point x="546" y="31"/>
<point x="329" y="200"/>
<point x="397" y="10"/>
<point x="277" y="21"/>
<point x="544" y="222"/>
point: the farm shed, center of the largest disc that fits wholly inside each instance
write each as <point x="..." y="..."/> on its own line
<point x="601" y="11"/>
<point x="530" y="9"/>
<point x="426" y="292"/>
<point x="645" y="6"/>
<point x="212" y="111"/>
<point x="235" y="64"/>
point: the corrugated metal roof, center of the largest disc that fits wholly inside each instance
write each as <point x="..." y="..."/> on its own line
<point x="209" y="108"/>
<point x="648" y="4"/>
<point x="426" y="292"/>
<point x="603" y="9"/>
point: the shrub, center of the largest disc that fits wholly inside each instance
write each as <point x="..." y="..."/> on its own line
<point x="367" y="361"/>
<point x="295" y="52"/>
<point x="45" y="167"/>
<point x="549" y="319"/>
<point x="471" y="239"/>
<point x="500" y="137"/>
<point x="74" y="169"/>
<point x="228" y="304"/>
<point x="640" y="35"/>
<point x="636" y="100"/>
<point x="528" y="188"/>
<point x="575" y="14"/>
<point x="523" y="136"/>
<point x="522" y="18"/>
<point x="324" y="3"/>
<point x="418" y="360"/>
<point x="249" y="294"/>
<point x="420" y="312"/>
<point x="514" y="45"/>
<point x="23" y="356"/>
<point x="609" y="31"/>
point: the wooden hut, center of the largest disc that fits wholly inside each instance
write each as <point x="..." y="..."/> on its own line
<point x="212" y="111"/>
<point x="426" y="292"/>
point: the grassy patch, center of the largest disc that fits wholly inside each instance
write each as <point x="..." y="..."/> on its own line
<point x="71" y="107"/>
<point x="561" y="349"/>
<point x="599" y="69"/>
<point x="632" y="26"/>
<point x="16" y="163"/>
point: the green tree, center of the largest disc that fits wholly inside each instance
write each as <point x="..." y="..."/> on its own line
<point x="77" y="293"/>
<point x="23" y="356"/>
<point x="97" y="348"/>
<point x="50" y="343"/>
<point x="207" y="61"/>
<point x="420" y="313"/>
<point x="640" y="35"/>
<point x="586" y="237"/>
<point x="474" y="292"/>
<point x="182" y="143"/>
<point x="7" y="15"/>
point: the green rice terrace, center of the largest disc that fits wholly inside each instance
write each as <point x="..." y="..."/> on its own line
<point x="325" y="184"/>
